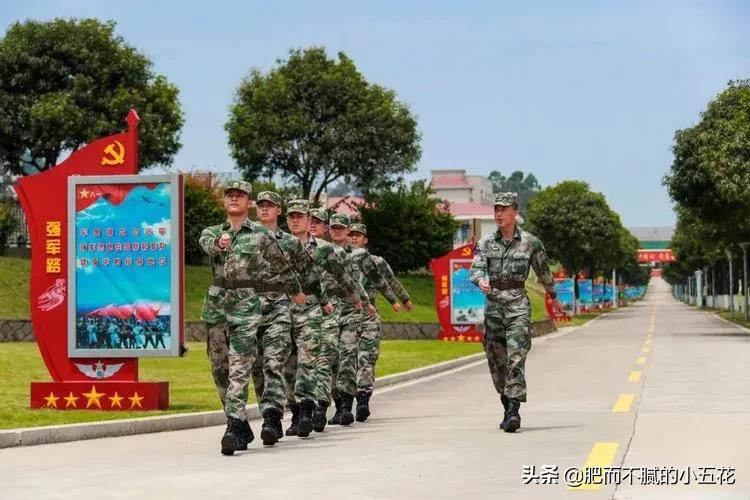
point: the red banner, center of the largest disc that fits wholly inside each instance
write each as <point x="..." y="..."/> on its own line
<point x="664" y="255"/>
<point x="44" y="201"/>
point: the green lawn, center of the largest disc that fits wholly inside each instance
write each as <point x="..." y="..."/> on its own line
<point x="191" y="386"/>
<point x="14" y="287"/>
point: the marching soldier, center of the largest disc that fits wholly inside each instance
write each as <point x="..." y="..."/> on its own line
<point x="369" y="342"/>
<point x="308" y="318"/>
<point x="299" y="377"/>
<point x="342" y="322"/>
<point x="500" y="268"/>
<point x="346" y="374"/>
<point x="243" y="256"/>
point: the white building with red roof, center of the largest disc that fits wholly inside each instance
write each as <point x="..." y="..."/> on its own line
<point x="471" y="202"/>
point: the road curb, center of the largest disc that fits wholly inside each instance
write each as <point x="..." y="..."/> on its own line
<point x="31" y="436"/>
<point x="737" y="325"/>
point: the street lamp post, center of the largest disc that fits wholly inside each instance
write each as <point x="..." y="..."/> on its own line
<point x="699" y="289"/>
<point x="713" y="285"/>
<point x="745" y="245"/>
<point x="728" y="253"/>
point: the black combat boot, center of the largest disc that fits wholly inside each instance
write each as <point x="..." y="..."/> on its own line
<point x="230" y="442"/>
<point x="363" y="406"/>
<point x="292" y="430"/>
<point x="271" y="423"/>
<point x="346" y="409"/>
<point x="319" y="416"/>
<point x="306" y="418"/>
<point x="505" y="413"/>
<point x="246" y="435"/>
<point x="336" y="419"/>
<point x="513" y="421"/>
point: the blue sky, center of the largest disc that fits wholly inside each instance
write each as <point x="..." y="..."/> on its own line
<point x="587" y="90"/>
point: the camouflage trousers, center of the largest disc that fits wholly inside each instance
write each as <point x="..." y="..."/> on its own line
<point x="273" y="350"/>
<point x="299" y="371"/>
<point x="345" y="370"/>
<point x="507" y="342"/>
<point x="327" y="353"/>
<point x="368" y="354"/>
<point x="232" y="345"/>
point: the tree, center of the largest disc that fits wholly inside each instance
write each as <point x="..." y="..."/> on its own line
<point x="315" y="120"/>
<point x="64" y="83"/>
<point x="710" y="174"/>
<point x="526" y="186"/>
<point x="343" y="189"/>
<point x="578" y="228"/>
<point x="202" y="209"/>
<point x="8" y="223"/>
<point x="408" y="226"/>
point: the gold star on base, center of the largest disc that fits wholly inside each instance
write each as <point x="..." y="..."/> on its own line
<point x="51" y="400"/>
<point x="115" y="400"/>
<point x="84" y="193"/>
<point x="93" y="398"/>
<point x="461" y="338"/>
<point x="70" y="400"/>
<point x="135" y="400"/>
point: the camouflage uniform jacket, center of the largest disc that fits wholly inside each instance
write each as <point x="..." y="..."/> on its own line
<point x="500" y="263"/>
<point x="362" y="258"/>
<point x="302" y="263"/>
<point x="253" y="255"/>
<point x="334" y="288"/>
<point x="385" y="269"/>
<point x="331" y="268"/>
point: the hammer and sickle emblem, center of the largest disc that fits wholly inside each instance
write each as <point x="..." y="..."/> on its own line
<point x="114" y="154"/>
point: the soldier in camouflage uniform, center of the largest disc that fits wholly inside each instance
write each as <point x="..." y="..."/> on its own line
<point x="279" y="320"/>
<point x="327" y="359"/>
<point x="363" y="267"/>
<point x="369" y="342"/>
<point x="329" y="267"/>
<point x="240" y="252"/>
<point x="500" y="269"/>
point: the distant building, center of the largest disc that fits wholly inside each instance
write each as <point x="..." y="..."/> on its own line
<point x="348" y="205"/>
<point x="471" y="202"/>
<point x="655" y="246"/>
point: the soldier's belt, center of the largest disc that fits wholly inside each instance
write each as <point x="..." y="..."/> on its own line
<point x="507" y="285"/>
<point x="255" y="285"/>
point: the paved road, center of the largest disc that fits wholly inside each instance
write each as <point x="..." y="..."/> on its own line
<point x="438" y="438"/>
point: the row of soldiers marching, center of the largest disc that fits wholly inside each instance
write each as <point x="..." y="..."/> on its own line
<point x="294" y="312"/>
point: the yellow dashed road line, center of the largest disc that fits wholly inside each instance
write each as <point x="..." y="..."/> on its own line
<point x="602" y="455"/>
<point x="623" y="403"/>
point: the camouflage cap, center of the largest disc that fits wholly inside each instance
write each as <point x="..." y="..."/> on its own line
<point x="506" y="199"/>
<point x="297" y="207"/>
<point x="319" y="213"/>
<point x="340" y="220"/>
<point x="243" y="186"/>
<point x="358" y="227"/>
<point x="268" y="196"/>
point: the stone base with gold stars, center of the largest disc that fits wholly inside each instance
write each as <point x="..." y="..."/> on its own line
<point x="100" y="395"/>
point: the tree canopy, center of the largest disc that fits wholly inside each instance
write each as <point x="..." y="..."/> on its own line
<point x="66" y="82"/>
<point x="709" y="180"/>
<point x="315" y="120"/>
<point x="526" y="185"/>
<point x="579" y="229"/>
<point x="408" y="226"/>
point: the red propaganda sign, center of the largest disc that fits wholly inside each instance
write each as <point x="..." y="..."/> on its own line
<point x="459" y="303"/>
<point x="83" y="382"/>
<point x="554" y="309"/>
<point x="664" y="255"/>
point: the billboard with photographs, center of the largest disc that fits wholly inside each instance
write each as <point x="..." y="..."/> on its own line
<point x="124" y="266"/>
